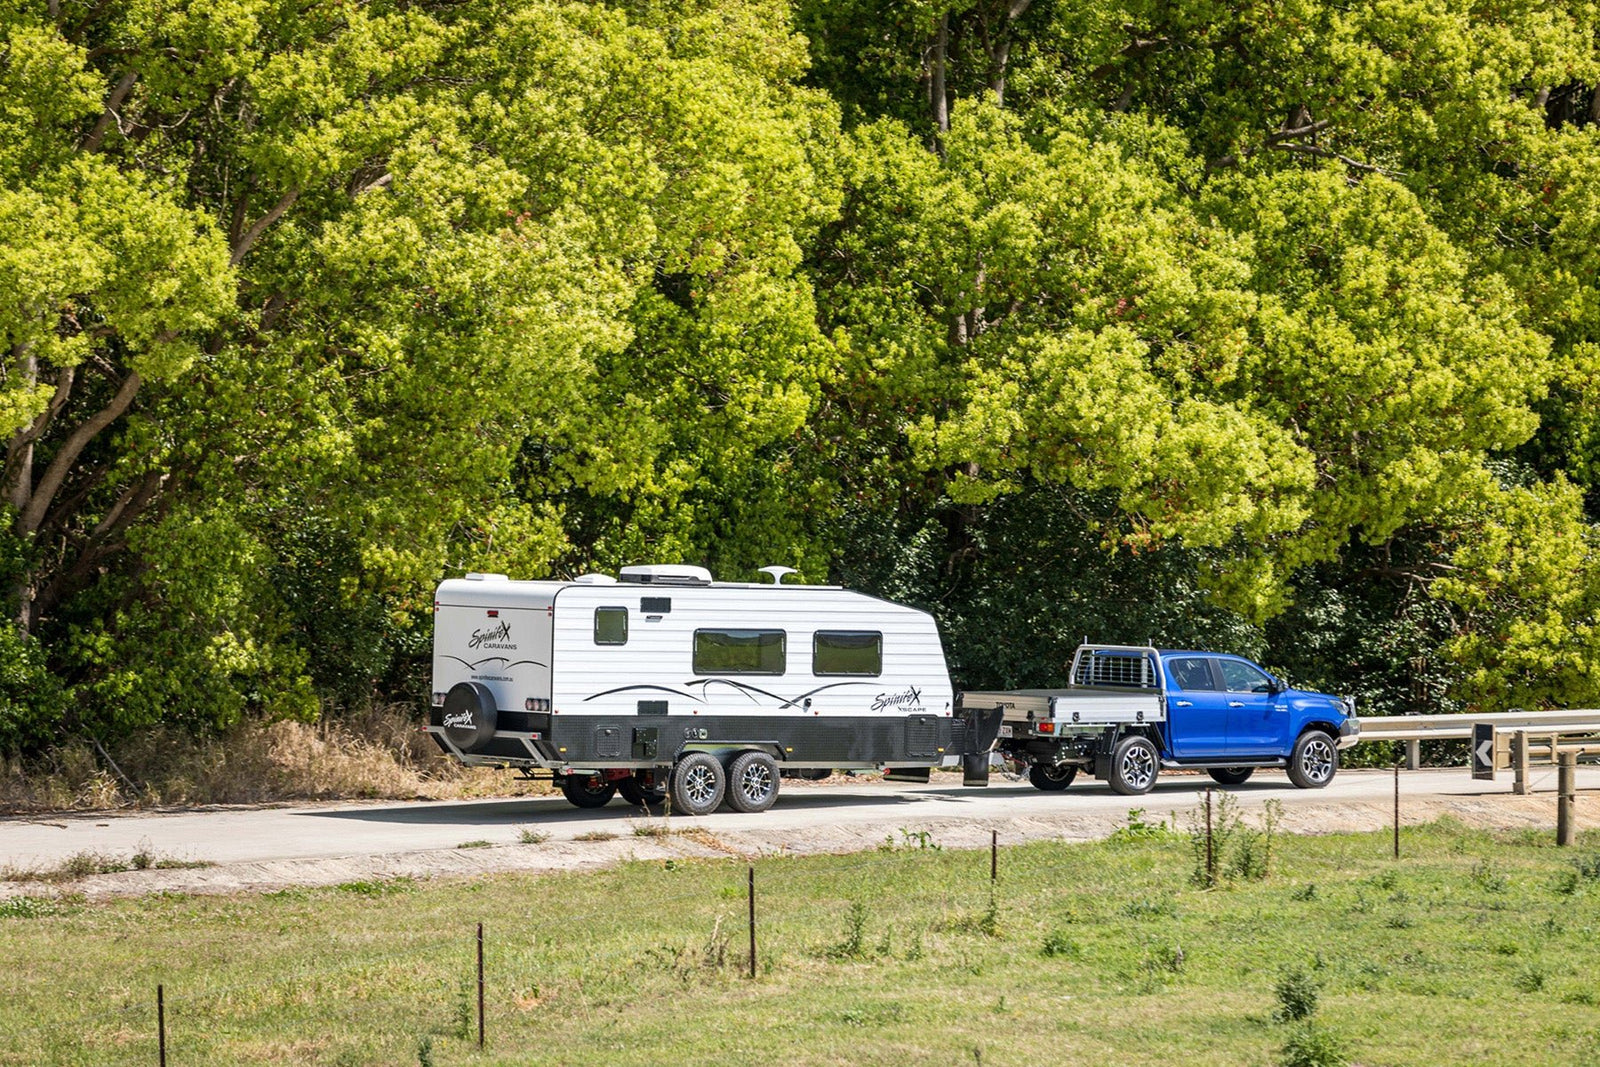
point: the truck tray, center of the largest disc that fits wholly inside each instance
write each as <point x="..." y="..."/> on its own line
<point x="1080" y="706"/>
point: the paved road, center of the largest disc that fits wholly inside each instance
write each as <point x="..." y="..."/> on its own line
<point x="833" y="816"/>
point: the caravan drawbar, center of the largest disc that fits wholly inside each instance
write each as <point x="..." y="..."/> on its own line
<point x="667" y="682"/>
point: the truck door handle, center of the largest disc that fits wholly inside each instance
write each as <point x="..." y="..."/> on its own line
<point x="1185" y="704"/>
<point x="1235" y="703"/>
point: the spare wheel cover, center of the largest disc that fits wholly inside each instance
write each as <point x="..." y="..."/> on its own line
<point x="469" y="715"/>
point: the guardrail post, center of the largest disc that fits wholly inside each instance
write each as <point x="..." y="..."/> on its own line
<point x="1567" y="800"/>
<point x="1413" y="755"/>
<point x="1519" y="762"/>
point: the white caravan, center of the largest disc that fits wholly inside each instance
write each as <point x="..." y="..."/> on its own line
<point x="668" y="682"/>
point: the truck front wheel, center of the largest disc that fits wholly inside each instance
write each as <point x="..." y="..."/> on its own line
<point x="1134" y="765"/>
<point x="1314" y="760"/>
<point x="1052" y="776"/>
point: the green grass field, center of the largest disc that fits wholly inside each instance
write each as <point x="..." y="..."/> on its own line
<point x="1473" y="948"/>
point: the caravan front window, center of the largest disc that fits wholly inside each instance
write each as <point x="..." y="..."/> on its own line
<point x="739" y="651"/>
<point x="856" y="652"/>
<point x="610" y="626"/>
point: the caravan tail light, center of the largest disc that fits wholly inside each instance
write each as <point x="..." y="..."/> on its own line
<point x="438" y="700"/>
<point x="1047" y="728"/>
<point x="536" y="704"/>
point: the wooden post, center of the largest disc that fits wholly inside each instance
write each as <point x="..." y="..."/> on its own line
<point x="752" y="922"/>
<point x="480" y="985"/>
<point x="1519" y="762"/>
<point x="1567" y="800"/>
<point x="161" y="1024"/>
<point x="1397" y="811"/>
<point x="1211" y="859"/>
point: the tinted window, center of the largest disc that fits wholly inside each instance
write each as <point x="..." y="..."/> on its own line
<point x="847" y="652"/>
<point x="739" y="651"/>
<point x="1191" y="672"/>
<point x="655" y="605"/>
<point x="610" y="626"/>
<point x="1243" y="678"/>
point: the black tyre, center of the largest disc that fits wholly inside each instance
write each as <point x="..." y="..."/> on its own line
<point x="1134" y="766"/>
<point x="752" y="782"/>
<point x="698" y="784"/>
<point x="1052" y="776"/>
<point x="591" y="792"/>
<point x="1314" y="761"/>
<point x="1231" y="775"/>
<point x="640" y="795"/>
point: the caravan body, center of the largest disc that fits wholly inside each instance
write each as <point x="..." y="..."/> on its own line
<point x="622" y="678"/>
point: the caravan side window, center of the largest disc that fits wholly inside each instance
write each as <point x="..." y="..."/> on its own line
<point x="739" y="651"/>
<point x="610" y="626"/>
<point x="856" y="652"/>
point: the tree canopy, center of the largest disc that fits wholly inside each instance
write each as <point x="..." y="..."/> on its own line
<point x="1273" y="327"/>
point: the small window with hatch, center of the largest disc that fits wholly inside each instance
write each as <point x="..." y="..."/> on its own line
<point x="1192" y="673"/>
<point x="610" y="626"/>
<point x="857" y="652"/>
<point x="1241" y="677"/>
<point x="739" y="651"/>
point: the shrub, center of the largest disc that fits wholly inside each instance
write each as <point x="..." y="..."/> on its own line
<point x="1297" y="995"/>
<point x="1312" y="1046"/>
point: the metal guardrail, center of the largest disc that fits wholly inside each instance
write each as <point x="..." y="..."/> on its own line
<point x="1436" y="727"/>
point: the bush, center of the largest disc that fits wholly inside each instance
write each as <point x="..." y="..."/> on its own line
<point x="1312" y="1046"/>
<point x="1297" y="995"/>
<point x="32" y="699"/>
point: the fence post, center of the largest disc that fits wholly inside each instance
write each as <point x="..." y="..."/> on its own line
<point x="1519" y="760"/>
<point x="1211" y="859"/>
<point x="1413" y="755"/>
<point x="994" y="856"/>
<point x="752" y="921"/>
<point x="480" y="985"/>
<point x="1567" y="800"/>
<point x="1397" y="811"/>
<point x="161" y="1023"/>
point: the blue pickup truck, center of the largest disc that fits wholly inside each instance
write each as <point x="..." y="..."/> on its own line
<point x="1130" y="711"/>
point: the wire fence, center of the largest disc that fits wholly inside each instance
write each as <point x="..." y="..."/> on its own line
<point x="142" y="1020"/>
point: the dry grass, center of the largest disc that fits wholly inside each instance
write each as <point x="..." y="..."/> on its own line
<point x="382" y="754"/>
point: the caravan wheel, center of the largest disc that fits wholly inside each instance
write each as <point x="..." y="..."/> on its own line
<point x="752" y="782"/>
<point x="698" y="784"/>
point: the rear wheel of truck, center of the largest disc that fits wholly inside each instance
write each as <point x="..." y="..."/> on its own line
<point x="1314" y="761"/>
<point x="1052" y="776"/>
<point x="591" y="792"/>
<point x="1231" y="775"/>
<point x="640" y="795"/>
<point x="752" y="782"/>
<point x="698" y="783"/>
<point x="1134" y="765"/>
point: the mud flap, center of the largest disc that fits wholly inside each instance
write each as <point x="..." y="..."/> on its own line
<point x="975" y="769"/>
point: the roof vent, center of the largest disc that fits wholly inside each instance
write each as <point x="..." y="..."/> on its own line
<point x="778" y="573"/>
<point x="477" y="577"/>
<point x="666" y="574"/>
<point x="595" y="579"/>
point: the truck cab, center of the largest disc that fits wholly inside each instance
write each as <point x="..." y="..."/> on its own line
<point x="1211" y="711"/>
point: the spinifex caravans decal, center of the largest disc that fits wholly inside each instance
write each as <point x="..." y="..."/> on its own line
<point x="497" y="637"/>
<point x="460" y="720"/>
<point x="908" y="699"/>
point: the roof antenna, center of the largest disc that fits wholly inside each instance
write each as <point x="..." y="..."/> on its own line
<point x="778" y="573"/>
